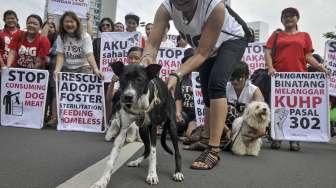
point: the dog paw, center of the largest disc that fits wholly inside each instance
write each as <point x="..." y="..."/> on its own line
<point x="178" y="176"/>
<point x="108" y="137"/>
<point x="134" y="163"/>
<point x="130" y="139"/>
<point x="152" y="179"/>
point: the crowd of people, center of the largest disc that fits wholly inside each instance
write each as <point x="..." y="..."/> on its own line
<point x="217" y="37"/>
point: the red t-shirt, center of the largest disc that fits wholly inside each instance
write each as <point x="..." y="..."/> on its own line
<point x="291" y="51"/>
<point x="5" y="38"/>
<point x="27" y="52"/>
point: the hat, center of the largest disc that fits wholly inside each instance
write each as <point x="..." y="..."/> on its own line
<point x="187" y="54"/>
<point x="132" y="16"/>
<point x="290" y="10"/>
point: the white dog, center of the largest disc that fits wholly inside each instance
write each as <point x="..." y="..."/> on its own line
<point x="255" y="117"/>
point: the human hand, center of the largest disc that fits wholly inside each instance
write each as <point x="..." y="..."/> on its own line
<point x="115" y="78"/>
<point x="271" y="71"/>
<point x="172" y="82"/>
<point x="55" y="75"/>
<point x="98" y="73"/>
<point x="179" y="117"/>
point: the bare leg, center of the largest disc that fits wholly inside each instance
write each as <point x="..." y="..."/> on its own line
<point x="218" y="112"/>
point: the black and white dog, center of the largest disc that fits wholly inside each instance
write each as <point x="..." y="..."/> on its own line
<point x="145" y="100"/>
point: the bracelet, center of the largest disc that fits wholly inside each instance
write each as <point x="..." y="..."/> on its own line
<point x="176" y="75"/>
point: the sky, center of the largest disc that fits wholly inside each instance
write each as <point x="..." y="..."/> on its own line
<point x="317" y="16"/>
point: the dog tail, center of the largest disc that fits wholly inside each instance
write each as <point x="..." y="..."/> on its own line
<point x="163" y="138"/>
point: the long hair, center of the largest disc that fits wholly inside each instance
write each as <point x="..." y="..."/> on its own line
<point x="78" y="32"/>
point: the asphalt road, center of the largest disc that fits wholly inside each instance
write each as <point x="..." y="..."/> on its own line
<point x="47" y="158"/>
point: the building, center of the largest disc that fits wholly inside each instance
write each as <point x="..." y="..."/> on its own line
<point x="98" y="10"/>
<point x="260" y="30"/>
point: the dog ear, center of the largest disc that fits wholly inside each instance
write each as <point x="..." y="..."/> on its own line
<point x="117" y="67"/>
<point x="153" y="70"/>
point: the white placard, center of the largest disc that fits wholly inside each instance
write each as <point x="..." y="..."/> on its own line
<point x="80" y="7"/>
<point x="198" y="98"/>
<point x="330" y="60"/>
<point x="300" y="107"/>
<point x="114" y="47"/>
<point x="23" y="94"/>
<point x="254" y="56"/>
<point x="80" y="102"/>
<point x="170" y="59"/>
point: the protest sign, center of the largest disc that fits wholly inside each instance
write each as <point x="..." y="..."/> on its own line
<point x="254" y="56"/>
<point x="330" y="59"/>
<point x="23" y="94"/>
<point x="172" y="38"/>
<point x="170" y="59"/>
<point x="300" y="107"/>
<point x="198" y="98"/>
<point x="114" y="47"/>
<point x="58" y="7"/>
<point x="80" y="102"/>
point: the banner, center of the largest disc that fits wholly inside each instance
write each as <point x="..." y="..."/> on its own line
<point x="23" y="97"/>
<point x="300" y="107"/>
<point x="198" y="98"/>
<point x="330" y="59"/>
<point x="80" y="7"/>
<point x="114" y="47"/>
<point x="254" y="56"/>
<point x="172" y="38"/>
<point x="170" y="59"/>
<point x="80" y="102"/>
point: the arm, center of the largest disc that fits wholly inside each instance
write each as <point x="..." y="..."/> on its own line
<point x="210" y="34"/>
<point x="40" y="62"/>
<point x="91" y="59"/>
<point x="11" y="58"/>
<point x="257" y="95"/>
<point x="161" y="21"/>
<point x="89" y="24"/>
<point x="269" y="61"/>
<point x="59" y="63"/>
<point x="178" y="104"/>
<point x="313" y="62"/>
<point x="2" y="63"/>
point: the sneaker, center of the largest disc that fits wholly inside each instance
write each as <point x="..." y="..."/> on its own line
<point x="276" y="144"/>
<point x="294" y="146"/>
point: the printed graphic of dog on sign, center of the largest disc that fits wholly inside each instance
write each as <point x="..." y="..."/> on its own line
<point x="144" y="99"/>
<point x="256" y="116"/>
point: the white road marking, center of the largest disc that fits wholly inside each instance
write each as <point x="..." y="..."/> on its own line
<point x="89" y="176"/>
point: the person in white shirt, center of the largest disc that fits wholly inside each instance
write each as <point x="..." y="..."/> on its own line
<point x="219" y="37"/>
<point x="74" y="48"/>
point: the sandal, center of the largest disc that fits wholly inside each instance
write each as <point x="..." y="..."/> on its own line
<point x="209" y="158"/>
